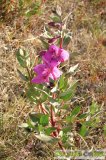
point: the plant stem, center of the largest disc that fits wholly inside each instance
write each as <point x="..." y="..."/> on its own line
<point x="61" y="37"/>
<point x="61" y="147"/>
<point x="43" y="109"/>
<point x="52" y="116"/>
<point x="61" y="42"/>
<point x="28" y="73"/>
<point x="55" y="133"/>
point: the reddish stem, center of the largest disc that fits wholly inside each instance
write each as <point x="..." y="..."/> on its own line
<point x="52" y="117"/>
<point x="61" y="147"/>
<point x="43" y="109"/>
<point x="61" y="42"/>
<point x="61" y="38"/>
<point x="55" y="134"/>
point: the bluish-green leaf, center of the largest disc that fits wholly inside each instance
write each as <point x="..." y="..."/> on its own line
<point x="22" y="76"/>
<point x="22" y="57"/>
<point x="35" y="117"/>
<point x="46" y="138"/>
<point x="66" y="40"/>
<point x="33" y="94"/>
<point x="67" y="95"/>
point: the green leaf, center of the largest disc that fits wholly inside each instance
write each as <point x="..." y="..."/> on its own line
<point x="66" y="40"/>
<point x="66" y="129"/>
<point x="22" y="57"/>
<point x="35" y="117"/>
<point x="93" y="108"/>
<point x="73" y="114"/>
<point x="32" y="99"/>
<point x="45" y="44"/>
<point x="31" y="124"/>
<point x="83" y="116"/>
<point x="49" y="130"/>
<point x="83" y="130"/>
<point x="33" y="94"/>
<point x="65" y="107"/>
<point x="46" y="138"/>
<point x="44" y="120"/>
<point x="40" y="128"/>
<point x="42" y="91"/>
<point x="104" y="128"/>
<point x="43" y="97"/>
<point x="59" y="153"/>
<point x="22" y="76"/>
<point x="67" y="95"/>
<point x="75" y="111"/>
<point x="56" y="19"/>
<point x="54" y="102"/>
<point x="70" y="119"/>
<point x="88" y="123"/>
<point x="21" y="3"/>
<point x="64" y="138"/>
<point x="61" y="82"/>
<point x="34" y="10"/>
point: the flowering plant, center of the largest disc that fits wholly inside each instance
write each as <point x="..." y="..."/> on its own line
<point x="52" y="90"/>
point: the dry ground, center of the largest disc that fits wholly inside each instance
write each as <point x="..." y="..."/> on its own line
<point x="87" y="47"/>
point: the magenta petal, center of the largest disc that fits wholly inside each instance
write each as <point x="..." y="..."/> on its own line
<point x="54" y="49"/>
<point x="54" y="63"/>
<point x="39" y="68"/>
<point x="47" y="57"/>
<point x="38" y="80"/>
<point x="64" y="55"/>
<point x="51" y="76"/>
<point x="56" y="73"/>
<point x="49" y="60"/>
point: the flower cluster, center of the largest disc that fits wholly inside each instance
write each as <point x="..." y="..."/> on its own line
<point x="51" y="61"/>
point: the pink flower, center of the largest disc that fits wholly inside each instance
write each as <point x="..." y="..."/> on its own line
<point x="55" y="55"/>
<point x="45" y="72"/>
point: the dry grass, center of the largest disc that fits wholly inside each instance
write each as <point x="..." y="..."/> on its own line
<point x="88" y="48"/>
